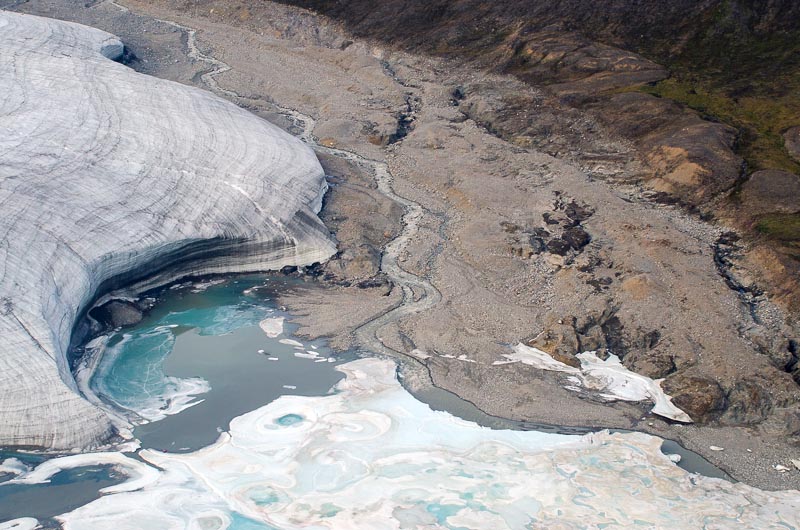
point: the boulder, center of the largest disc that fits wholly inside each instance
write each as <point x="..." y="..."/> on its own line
<point x="117" y="314"/>
<point x="772" y="190"/>
<point x="576" y="237"/>
<point x="749" y="403"/>
<point x="700" y="397"/>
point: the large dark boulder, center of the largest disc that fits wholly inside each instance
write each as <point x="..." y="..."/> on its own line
<point x="117" y="314"/>
<point x="576" y="237"/>
<point x="749" y="403"/>
<point x="700" y="397"/>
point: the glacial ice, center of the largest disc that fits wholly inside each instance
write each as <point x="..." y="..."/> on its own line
<point x="111" y="178"/>
<point x="130" y="374"/>
<point x="609" y="378"/>
<point x="371" y="456"/>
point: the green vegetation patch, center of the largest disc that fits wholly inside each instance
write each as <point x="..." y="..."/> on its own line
<point x="761" y="119"/>
<point x="781" y="226"/>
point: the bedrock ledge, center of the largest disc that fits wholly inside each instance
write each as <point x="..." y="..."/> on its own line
<point x="110" y="178"/>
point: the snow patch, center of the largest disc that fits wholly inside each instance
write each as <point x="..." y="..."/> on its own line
<point x="609" y="378"/>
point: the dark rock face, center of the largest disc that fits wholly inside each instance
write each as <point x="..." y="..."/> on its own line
<point x="576" y="237"/>
<point x="792" y="421"/>
<point x="749" y="403"/>
<point x="558" y="247"/>
<point x="792" y="141"/>
<point x="655" y="27"/>
<point x="117" y="314"/>
<point x="655" y="363"/>
<point x="700" y="397"/>
<point x="772" y="190"/>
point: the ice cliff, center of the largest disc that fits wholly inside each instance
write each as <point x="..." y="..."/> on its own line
<point x="107" y="178"/>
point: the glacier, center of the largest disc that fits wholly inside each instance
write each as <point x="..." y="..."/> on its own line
<point x="113" y="179"/>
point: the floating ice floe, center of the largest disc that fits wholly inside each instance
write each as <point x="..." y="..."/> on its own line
<point x="273" y="358"/>
<point x="292" y="342"/>
<point x="252" y="290"/>
<point x="273" y="326"/>
<point x="203" y="286"/>
<point x="24" y="523"/>
<point x="371" y="456"/>
<point x="306" y="355"/>
<point x="139" y="474"/>
<point x="609" y="378"/>
<point x="290" y="387"/>
<point x="13" y="466"/>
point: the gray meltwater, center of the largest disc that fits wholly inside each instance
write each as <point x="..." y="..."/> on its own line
<point x="195" y="362"/>
<point x="218" y="339"/>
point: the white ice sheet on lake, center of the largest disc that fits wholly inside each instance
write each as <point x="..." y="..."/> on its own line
<point x="371" y="456"/>
<point x="24" y="523"/>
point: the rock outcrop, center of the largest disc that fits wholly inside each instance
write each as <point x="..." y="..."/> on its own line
<point x="111" y="178"/>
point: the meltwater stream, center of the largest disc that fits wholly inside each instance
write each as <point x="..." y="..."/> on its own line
<point x="241" y="431"/>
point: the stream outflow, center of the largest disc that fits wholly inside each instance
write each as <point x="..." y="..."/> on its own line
<point x="418" y="294"/>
